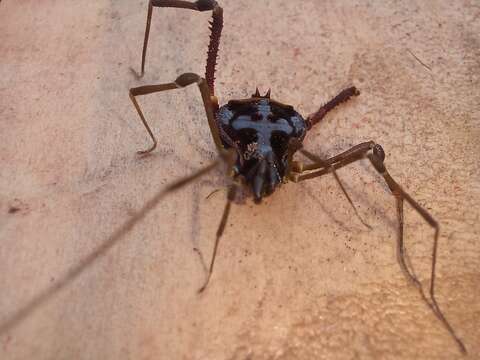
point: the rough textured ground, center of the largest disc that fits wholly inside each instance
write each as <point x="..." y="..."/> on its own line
<point x="297" y="277"/>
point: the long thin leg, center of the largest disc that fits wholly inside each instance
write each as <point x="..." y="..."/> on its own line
<point x="160" y="3"/>
<point x="318" y="161"/>
<point x="351" y="155"/>
<point x="182" y="81"/>
<point x="23" y="312"/>
<point x="216" y="30"/>
<point x="376" y="155"/>
<point x="187" y="179"/>
<point x="343" y="96"/>
<point x="220" y="230"/>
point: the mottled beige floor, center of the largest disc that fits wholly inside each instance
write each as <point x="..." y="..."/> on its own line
<point x="297" y="277"/>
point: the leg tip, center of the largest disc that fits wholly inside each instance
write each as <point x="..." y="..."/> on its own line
<point x="144" y="152"/>
<point x="136" y="75"/>
<point x="202" y="289"/>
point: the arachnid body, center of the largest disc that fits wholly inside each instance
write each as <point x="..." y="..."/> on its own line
<point x="261" y="129"/>
<point x="257" y="138"/>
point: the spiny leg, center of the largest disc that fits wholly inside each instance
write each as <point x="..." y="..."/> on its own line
<point x="376" y="155"/>
<point x="343" y="96"/>
<point x="182" y="81"/>
<point x="216" y="30"/>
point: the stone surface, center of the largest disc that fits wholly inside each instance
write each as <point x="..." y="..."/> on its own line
<point x="93" y="268"/>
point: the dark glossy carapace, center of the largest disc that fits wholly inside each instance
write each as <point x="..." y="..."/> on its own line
<point x="261" y="129"/>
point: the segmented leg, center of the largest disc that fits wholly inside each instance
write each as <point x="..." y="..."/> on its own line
<point x="119" y="234"/>
<point x="216" y="30"/>
<point x="343" y="96"/>
<point x="228" y="156"/>
<point x="376" y="155"/>
<point x="182" y="81"/>
<point x="317" y="161"/>
<point x="220" y="230"/>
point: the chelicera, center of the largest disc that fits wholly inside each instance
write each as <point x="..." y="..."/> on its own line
<point x="257" y="138"/>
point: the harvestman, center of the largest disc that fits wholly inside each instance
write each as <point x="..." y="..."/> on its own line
<point x="258" y="136"/>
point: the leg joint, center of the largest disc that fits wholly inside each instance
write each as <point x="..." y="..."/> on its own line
<point x="379" y="152"/>
<point x="205" y="5"/>
<point x="187" y="79"/>
<point x="377" y="157"/>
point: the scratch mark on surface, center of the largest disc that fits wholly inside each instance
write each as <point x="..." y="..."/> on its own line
<point x="420" y="61"/>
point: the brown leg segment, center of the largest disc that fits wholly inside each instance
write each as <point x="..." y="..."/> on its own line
<point x="343" y="96"/>
<point x="230" y="158"/>
<point x="216" y="30"/>
<point x="182" y="81"/>
<point x="220" y="230"/>
<point x="331" y="169"/>
<point x="376" y="155"/>
<point x="65" y="280"/>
